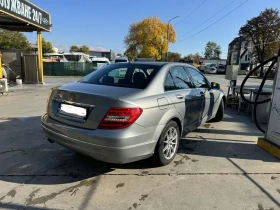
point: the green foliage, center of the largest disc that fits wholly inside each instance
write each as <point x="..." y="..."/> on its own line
<point x="212" y="50"/>
<point x="83" y="49"/>
<point x="13" y="40"/>
<point x="194" y="58"/>
<point x="263" y="31"/>
<point x="173" y="57"/>
<point x="74" y="48"/>
<point x="47" y="46"/>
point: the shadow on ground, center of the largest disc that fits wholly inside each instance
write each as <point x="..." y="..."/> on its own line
<point x="26" y="155"/>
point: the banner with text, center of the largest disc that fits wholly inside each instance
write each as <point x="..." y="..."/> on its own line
<point x="26" y="11"/>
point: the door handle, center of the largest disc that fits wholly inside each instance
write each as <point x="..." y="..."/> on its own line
<point x="179" y="96"/>
<point x="202" y="93"/>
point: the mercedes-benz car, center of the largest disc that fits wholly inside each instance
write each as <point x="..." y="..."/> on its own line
<point x="142" y="112"/>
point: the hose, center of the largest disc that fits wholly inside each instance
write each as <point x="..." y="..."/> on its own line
<point x="256" y="102"/>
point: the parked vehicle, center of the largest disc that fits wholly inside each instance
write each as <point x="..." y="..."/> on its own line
<point x="99" y="62"/>
<point x="221" y="68"/>
<point x="210" y="70"/>
<point x="76" y="57"/>
<point x="53" y="57"/>
<point x="141" y="114"/>
<point x="121" y="59"/>
<point x="144" y="60"/>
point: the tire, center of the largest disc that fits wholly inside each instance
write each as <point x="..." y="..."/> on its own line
<point x="220" y="113"/>
<point x="167" y="144"/>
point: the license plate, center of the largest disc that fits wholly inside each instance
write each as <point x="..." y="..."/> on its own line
<point x="74" y="111"/>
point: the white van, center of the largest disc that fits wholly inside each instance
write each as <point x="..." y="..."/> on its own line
<point x="76" y="57"/>
<point x="121" y="59"/>
<point x="99" y="62"/>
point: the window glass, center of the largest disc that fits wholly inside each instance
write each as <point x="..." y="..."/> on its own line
<point x="180" y="78"/>
<point x="124" y="75"/>
<point x="198" y="79"/>
<point x="169" y="83"/>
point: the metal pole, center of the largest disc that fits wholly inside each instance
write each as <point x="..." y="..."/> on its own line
<point x="40" y="57"/>
<point x="167" y="37"/>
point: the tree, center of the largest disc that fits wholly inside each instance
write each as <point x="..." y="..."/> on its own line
<point x="263" y="31"/>
<point x="148" y="39"/>
<point x="119" y="54"/>
<point x="194" y="58"/>
<point x="84" y="49"/>
<point x="74" y="48"/>
<point x="173" y="57"/>
<point x="47" y="46"/>
<point x="13" y="40"/>
<point x="212" y="50"/>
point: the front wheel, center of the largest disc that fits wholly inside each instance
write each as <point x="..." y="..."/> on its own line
<point x="168" y="144"/>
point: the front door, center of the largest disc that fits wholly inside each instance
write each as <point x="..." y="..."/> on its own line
<point x="208" y="96"/>
<point x="186" y="99"/>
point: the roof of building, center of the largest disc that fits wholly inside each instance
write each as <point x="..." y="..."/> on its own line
<point x="234" y="41"/>
<point x="99" y="51"/>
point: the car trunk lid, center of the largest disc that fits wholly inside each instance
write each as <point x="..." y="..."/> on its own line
<point x="84" y="105"/>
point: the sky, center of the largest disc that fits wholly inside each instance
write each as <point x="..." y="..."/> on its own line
<point x="104" y="24"/>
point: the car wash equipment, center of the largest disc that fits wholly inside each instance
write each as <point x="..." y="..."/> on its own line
<point x="271" y="140"/>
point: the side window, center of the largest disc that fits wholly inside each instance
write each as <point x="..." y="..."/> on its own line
<point x="180" y="78"/>
<point x="169" y="84"/>
<point x="198" y="79"/>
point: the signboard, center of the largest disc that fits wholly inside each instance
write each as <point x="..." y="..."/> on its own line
<point x="27" y="12"/>
<point x="273" y="131"/>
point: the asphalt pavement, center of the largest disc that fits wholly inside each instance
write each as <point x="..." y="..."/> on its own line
<point x="219" y="166"/>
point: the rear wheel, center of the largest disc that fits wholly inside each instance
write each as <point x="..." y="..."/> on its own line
<point x="220" y="113"/>
<point x="168" y="144"/>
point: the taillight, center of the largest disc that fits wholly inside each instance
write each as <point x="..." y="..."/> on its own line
<point x="119" y="118"/>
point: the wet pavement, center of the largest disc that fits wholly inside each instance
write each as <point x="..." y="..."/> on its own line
<point x="219" y="166"/>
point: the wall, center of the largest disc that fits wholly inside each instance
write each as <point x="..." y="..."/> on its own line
<point x="13" y="59"/>
<point x="215" y="61"/>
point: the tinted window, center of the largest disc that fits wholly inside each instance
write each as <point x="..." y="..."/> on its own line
<point x="180" y="78"/>
<point x="73" y="57"/>
<point x="123" y="75"/>
<point x="169" y="84"/>
<point x="198" y="79"/>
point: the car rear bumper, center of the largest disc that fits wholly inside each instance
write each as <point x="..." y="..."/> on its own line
<point x="114" y="146"/>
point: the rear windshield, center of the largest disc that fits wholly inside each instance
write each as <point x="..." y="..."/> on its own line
<point x="123" y="75"/>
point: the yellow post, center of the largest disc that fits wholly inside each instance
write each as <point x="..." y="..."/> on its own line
<point x="1" y="66"/>
<point x="40" y="57"/>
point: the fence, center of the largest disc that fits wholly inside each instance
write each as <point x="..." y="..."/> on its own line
<point x="68" y="68"/>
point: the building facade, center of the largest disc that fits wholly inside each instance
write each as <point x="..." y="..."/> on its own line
<point x="239" y="53"/>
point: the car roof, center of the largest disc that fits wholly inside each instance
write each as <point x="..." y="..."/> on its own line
<point x="156" y="64"/>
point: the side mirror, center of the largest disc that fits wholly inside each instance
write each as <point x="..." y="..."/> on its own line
<point x="215" y="86"/>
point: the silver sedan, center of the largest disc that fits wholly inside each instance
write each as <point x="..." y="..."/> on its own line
<point x="126" y="112"/>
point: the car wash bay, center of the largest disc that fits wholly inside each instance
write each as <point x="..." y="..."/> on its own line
<point x="219" y="166"/>
<point x="23" y="16"/>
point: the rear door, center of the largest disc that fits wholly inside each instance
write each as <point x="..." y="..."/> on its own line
<point x="208" y="96"/>
<point x="178" y="88"/>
